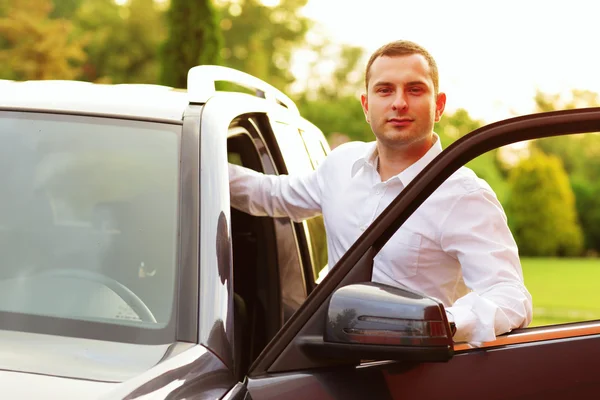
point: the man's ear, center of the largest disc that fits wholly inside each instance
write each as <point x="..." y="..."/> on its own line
<point x="365" y="106"/>
<point x="440" y="104"/>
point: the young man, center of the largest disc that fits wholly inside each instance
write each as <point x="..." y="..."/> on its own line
<point x="456" y="247"/>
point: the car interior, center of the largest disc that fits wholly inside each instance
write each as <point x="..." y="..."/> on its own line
<point x="257" y="301"/>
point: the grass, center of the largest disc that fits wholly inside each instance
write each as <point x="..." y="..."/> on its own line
<point x="563" y="290"/>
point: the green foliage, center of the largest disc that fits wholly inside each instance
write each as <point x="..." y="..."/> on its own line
<point x="37" y="47"/>
<point x="125" y="41"/>
<point x="486" y="166"/>
<point x="541" y="208"/>
<point x="194" y="39"/>
<point x="343" y="115"/>
<point x="260" y="40"/>
<point x="580" y="155"/>
<point x="457" y="125"/>
<point x="332" y="102"/>
<point x="65" y="8"/>
<point x="576" y="99"/>
<point x="588" y="209"/>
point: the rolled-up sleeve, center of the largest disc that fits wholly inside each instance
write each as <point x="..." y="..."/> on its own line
<point x="295" y="196"/>
<point x="476" y="233"/>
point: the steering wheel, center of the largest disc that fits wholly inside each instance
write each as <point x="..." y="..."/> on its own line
<point x="137" y="305"/>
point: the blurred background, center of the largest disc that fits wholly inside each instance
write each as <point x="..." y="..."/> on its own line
<point x="496" y="60"/>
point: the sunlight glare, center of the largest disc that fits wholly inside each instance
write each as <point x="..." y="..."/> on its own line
<point x="270" y="3"/>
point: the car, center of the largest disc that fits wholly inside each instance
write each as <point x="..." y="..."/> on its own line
<point x="126" y="273"/>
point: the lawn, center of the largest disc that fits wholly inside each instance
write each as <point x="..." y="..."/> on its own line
<point x="563" y="290"/>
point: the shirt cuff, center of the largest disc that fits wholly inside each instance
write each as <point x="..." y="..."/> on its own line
<point x="469" y="328"/>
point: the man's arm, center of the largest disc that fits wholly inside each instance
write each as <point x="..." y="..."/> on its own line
<point x="295" y="196"/>
<point x="476" y="233"/>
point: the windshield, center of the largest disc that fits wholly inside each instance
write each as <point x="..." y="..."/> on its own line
<point x="88" y="226"/>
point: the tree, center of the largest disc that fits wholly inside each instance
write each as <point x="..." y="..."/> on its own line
<point x="260" y="40"/>
<point x="194" y="38"/>
<point x="332" y="101"/>
<point x="337" y="116"/>
<point x="541" y="208"/>
<point x="65" y="8"/>
<point x="587" y="202"/>
<point x="454" y="126"/>
<point x="580" y="155"/>
<point x="122" y="48"/>
<point x="569" y="149"/>
<point x="37" y="47"/>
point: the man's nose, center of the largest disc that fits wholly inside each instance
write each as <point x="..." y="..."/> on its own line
<point x="399" y="101"/>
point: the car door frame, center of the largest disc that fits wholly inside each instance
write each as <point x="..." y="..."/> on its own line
<point x="284" y="359"/>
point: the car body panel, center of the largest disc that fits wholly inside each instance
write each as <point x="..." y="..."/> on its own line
<point x="195" y="373"/>
<point x="186" y="368"/>
<point x="77" y="358"/>
<point x="515" y="372"/>
<point x="151" y="102"/>
<point x="33" y="386"/>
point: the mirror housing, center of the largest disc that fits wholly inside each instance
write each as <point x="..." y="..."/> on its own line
<point x="373" y="321"/>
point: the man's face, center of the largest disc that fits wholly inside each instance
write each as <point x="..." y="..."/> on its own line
<point x="400" y="104"/>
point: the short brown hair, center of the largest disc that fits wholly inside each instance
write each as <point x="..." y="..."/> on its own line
<point x="403" y="48"/>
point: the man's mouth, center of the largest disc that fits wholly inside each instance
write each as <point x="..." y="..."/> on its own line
<point x="400" y="121"/>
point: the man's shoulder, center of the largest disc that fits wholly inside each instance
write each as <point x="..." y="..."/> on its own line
<point x="465" y="180"/>
<point x="354" y="147"/>
<point x="351" y="151"/>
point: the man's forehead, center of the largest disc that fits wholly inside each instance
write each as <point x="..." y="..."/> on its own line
<point x="413" y="67"/>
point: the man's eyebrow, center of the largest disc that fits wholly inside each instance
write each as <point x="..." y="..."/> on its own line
<point x="416" y="83"/>
<point x="412" y="83"/>
<point x="382" y="83"/>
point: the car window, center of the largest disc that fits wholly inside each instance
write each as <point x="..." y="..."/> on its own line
<point x="89" y="219"/>
<point x="303" y="151"/>
<point x="317" y="150"/>
<point x="292" y="148"/>
<point x="551" y="196"/>
<point x="549" y="191"/>
<point x="315" y="227"/>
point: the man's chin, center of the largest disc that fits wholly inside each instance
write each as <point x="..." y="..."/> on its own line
<point x="401" y="139"/>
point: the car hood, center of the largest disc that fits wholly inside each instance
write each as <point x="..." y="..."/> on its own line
<point x="33" y="386"/>
<point x="55" y="367"/>
<point x="68" y="357"/>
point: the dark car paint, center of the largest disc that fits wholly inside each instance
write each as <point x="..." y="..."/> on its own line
<point x="197" y="372"/>
<point x="561" y="369"/>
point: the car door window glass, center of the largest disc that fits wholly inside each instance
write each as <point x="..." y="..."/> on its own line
<point x="302" y="152"/>
<point x="551" y="196"/>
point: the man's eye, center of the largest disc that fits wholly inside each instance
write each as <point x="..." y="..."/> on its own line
<point x="384" y="90"/>
<point x="415" y="90"/>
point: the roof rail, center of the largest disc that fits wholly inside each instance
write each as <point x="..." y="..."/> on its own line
<point x="201" y="85"/>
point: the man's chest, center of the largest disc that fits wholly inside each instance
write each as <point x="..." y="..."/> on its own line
<point x="350" y="207"/>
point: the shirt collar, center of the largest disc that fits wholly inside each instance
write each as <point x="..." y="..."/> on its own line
<point x="369" y="157"/>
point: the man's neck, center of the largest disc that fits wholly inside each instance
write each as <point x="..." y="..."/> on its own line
<point x="394" y="160"/>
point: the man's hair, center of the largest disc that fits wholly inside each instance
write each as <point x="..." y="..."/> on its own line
<point x="403" y="48"/>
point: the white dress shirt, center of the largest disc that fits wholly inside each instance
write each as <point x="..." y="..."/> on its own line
<point x="455" y="247"/>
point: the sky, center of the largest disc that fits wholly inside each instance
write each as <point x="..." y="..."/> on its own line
<point x="491" y="55"/>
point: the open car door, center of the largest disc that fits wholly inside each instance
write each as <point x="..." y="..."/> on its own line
<point x="401" y="346"/>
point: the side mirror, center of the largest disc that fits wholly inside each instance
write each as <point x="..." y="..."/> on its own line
<point x="371" y="321"/>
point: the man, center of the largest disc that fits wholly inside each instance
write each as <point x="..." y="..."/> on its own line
<point x="456" y="247"/>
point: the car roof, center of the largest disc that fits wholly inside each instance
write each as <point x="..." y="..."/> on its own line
<point x="142" y="101"/>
